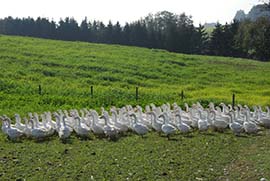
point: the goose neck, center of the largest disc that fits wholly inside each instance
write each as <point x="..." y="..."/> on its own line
<point x="18" y="119"/>
<point x="63" y="120"/>
<point x="230" y="114"/>
<point x="163" y="117"/>
<point x="32" y="123"/>
<point x="114" y="116"/>
<point x="8" y="122"/>
<point x="78" y="121"/>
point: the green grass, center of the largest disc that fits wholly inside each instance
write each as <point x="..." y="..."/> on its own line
<point x="66" y="70"/>
<point x="213" y="156"/>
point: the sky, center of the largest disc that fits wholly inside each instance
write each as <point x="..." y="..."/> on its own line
<point x="202" y="11"/>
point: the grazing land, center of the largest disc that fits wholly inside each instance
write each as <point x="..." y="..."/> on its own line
<point x="66" y="70"/>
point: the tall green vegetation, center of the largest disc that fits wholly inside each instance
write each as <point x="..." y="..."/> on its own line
<point x="66" y="70"/>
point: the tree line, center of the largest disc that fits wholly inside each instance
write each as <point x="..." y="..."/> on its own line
<point x="163" y="30"/>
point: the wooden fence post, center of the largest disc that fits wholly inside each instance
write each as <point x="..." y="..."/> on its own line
<point x="137" y="93"/>
<point x="91" y="91"/>
<point x="182" y="95"/>
<point x="39" y="89"/>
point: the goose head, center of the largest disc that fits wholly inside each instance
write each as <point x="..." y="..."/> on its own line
<point x="66" y="112"/>
<point x="17" y="117"/>
<point x="168" y="105"/>
<point x="105" y="119"/>
<point x="134" y="117"/>
<point x="153" y="106"/>
<point x="240" y="106"/>
<point x="82" y="113"/>
<point x="211" y="106"/>
<point x="175" y="106"/>
<point x="230" y="107"/>
<point x="199" y="105"/>
<point x="163" y="117"/>
<point x="164" y="107"/>
<point x="85" y="110"/>
<point x="246" y="107"/>
<point x="147" y="108"/>
<point x="30" y="115"/>
<point x="7" y="119"/>
<point x="222" y="104"/>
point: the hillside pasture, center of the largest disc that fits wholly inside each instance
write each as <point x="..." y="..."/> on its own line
<point x="66" y="70"/>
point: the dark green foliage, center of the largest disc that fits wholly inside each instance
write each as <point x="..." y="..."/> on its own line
<point x="254" y="38"/>
<point x="163" y="30"/>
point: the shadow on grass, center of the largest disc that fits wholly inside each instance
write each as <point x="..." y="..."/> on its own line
<point x="66" y="141"/>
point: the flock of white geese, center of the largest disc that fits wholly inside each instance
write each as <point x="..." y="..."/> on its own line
<point x="166" y="119"/>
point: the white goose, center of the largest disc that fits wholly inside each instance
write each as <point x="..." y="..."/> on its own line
<point x="95" y="127"/>
<point x="235" y="126"/>
<point x="249" y="126"/>
<point x="220" y="122"/>
<point x="69" y="120"/>
<point x="137" y="127"/>
<point x="37" y="133"/>
<point x="48" y="117"/>
<point x="203" y="122"/>
<point x="183" y="127"/>
<point x="155" y="123"/>
<point x="18" y="124"/>
<point x="144" y="118"/>
<point x="186" y="117"/>
<point x="167" y="128"/>
<point x="264" y="120"/>
<point x="80" y="128"/>
<point x="116" y="122"/>
<point x="110" y="131"/>
<point x="37" y="123"/>
<point x="110" y="121"/>
<point x="238" y="117"/>
<point x="11" y="131"/>
<point x="63" y="131"/>
<point x="47" y="126"/>
<point x="27" y="130"/>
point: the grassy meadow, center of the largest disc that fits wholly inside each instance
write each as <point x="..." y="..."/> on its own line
<point x="66" y="70"/>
